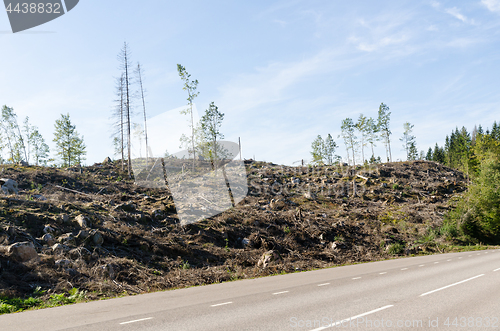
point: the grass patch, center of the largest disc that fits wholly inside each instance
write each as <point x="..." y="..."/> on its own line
<point x="396" y="249"/>
<point x="13" y="305"/>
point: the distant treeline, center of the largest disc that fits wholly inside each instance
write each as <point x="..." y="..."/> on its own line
<point x="476" y="216"/>
<point x="463" y="150"/>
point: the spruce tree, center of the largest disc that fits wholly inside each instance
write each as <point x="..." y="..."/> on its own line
<point x="428" y="156"/>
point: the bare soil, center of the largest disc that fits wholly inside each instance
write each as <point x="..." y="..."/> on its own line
<point x="293" y="218"/>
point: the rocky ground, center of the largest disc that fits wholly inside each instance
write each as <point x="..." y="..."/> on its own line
<point x="95" y="230"/>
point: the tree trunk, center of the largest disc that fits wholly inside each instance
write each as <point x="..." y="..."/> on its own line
<point x="192" y="136"/>
<point x="144" y="108"/>
<point x="128" y="116"/>
<point x="389" y="144"/>
<point x="363" y="150"/>
<point x="121" y="125"/>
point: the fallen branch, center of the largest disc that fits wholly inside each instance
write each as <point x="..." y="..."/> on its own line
<point x="101" y="190"/>
<point x="67" y="189"/>
<point x="362" y="177"/>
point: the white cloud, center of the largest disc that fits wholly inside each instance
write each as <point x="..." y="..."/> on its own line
<point x="280" y="23"/>
<point x="462" y="42"/>
<point x="386" y="31"/>
<point x="279" y="7"/>
<point x="268" y="84"/>
<point x="455" y="12"/>
<point x="435" y="4"/>
<point x="377" y="44"/>
<point x="492" y="5"/>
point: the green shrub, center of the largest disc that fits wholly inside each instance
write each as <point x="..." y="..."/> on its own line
<point x="6" y="308"/>
<point x="449" y="230"/>
<point x="396" y="249"/>
<point x="11" y="305"/>
<point x="477" y="215"/>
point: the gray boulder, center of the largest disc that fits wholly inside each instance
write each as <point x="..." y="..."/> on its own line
<point x="9" y="186"/>
<point x="98" y="239"/>
<point x="49" y="239"/>
<point x="23" y="251"/>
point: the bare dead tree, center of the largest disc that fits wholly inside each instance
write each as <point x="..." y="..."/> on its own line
<point x="139" y="73"/>
<point x="124" y="58"/>
<point x="118" y="117"/>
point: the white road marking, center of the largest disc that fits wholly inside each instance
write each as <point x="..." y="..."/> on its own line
<point x="421" y="265"/>
<point x="496" y="269"/>
<point x="448" y="260"/>
<point x="382" y="273"/>
<point x="404" y="269"/>
<point x="324" y="284"/>
<point x="142" y="319"/>
<point x="442" y="288"/>
<point x="478" y="253"/>
<point x="351" y="318"/>
<point x="222" y="304"/>
<point x="356" y="277"/>
<point x="470" y="255"/>
<point x="436" y="262"/>
<point x="280" y="292"/>
<point x="460" y="257"/>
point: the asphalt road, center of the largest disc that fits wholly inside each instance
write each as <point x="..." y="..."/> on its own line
<point x="459" y="291"/>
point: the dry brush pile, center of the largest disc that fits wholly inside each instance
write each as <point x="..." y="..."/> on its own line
<point x="95" y="230"/>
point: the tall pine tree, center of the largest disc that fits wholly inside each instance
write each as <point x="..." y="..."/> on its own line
<point x="383" y="126"/>
<point x="69" y="146"/>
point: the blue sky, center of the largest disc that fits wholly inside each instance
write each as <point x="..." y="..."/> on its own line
<point x="281" y="71"/>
